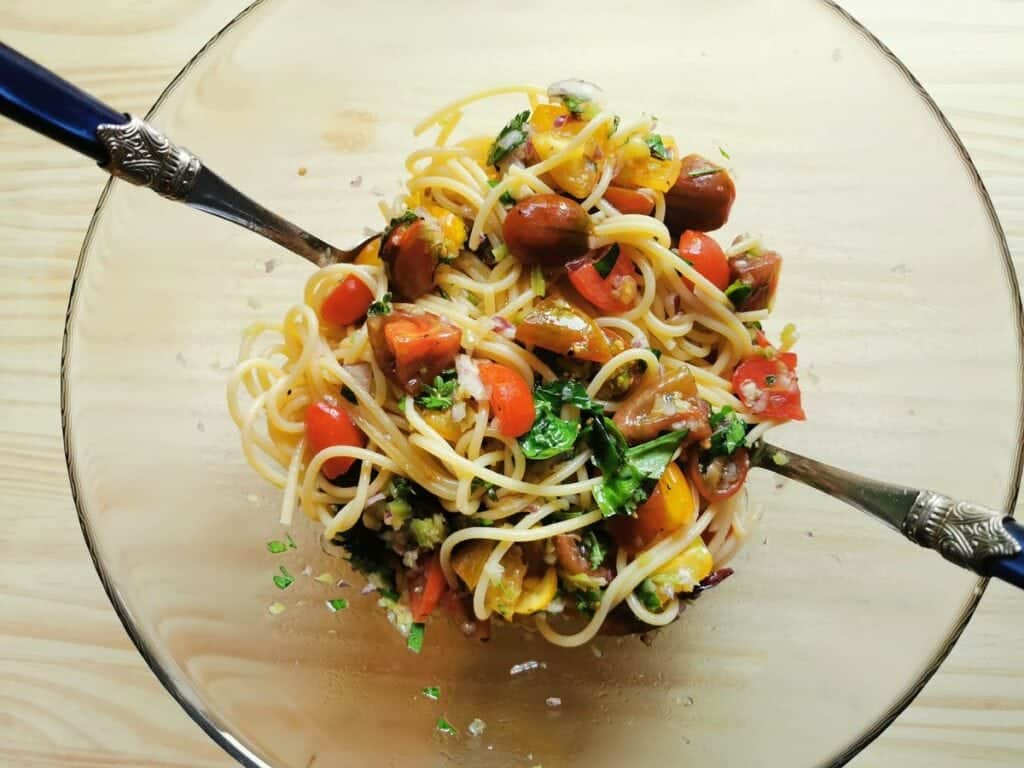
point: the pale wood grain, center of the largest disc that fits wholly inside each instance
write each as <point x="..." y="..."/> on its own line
<point x="60" y="642"/>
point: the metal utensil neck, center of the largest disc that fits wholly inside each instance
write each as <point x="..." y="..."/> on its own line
<point x="142" y="155"/>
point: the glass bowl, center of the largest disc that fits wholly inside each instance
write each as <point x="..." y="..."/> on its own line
<point x="897" y="276"/>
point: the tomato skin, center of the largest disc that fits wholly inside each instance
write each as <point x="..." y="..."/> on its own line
<point x="740" y="463"/>
<point x="629" y="200"/>
<point x="706" y="256"/>
<point x="426" y="590"/>
<point x="347" y="303"/>
<point x="511" y="399"/>
<point x="561" y="327"/>
<point x="327" y="426"/>
<point x="609" y="294"/>
<point x="769" y="388"/>
<point x="412" y="348"/>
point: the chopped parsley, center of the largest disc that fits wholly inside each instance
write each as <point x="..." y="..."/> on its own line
<point x="595" y="548"/>
<point x="770" y="379"/>
<point x="506" y="196"/>
<point x="606" y="263"/>
<point x="276" y="547"/>
<point x="443" y="726"/>
<point x="728" y="431"/>
<point x="415" y="640"/>
<point x="512" y="137"/>
<point x="738" y="292"/>
<point x="658" y="149"/>
<point x="648" y="594"/>
<point x="588" y="600"/>
<point x="369" y="555"/>
<point x="337" y="604"/>
<point x="574" y="104"/>
<point x="438" y="396"/>
<point x="550" y="434"/>
<point x="696" y="174"/>
<point x="399" y="221"/>
<point x="432" y="692"/>
<point x="490" y="489"/>
<point x="629" y="474"/>
<point x="382" y="306"/>
<point x="284" y="579"/>
<point x="724" y="154"/>
<point x="349" y="395"/>
<point x="615" y="125"/>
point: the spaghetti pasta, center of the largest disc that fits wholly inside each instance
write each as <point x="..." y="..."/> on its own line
<point x="535" y="393"/>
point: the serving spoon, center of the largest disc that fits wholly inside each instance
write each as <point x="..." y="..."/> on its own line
<point x="984" y="540"/>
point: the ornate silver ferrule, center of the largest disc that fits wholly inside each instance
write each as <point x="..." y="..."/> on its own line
<point x="142" y="155"/>
<point x="963" y="533"/>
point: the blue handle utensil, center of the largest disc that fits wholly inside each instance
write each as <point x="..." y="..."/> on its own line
<point x="983" y="540"/>
<point x="135" y="151"/>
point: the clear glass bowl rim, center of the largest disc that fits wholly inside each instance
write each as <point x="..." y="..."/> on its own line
<point x="238" y="750"/>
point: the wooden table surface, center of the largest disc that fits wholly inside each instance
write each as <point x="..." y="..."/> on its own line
<point x="73" y="690"/>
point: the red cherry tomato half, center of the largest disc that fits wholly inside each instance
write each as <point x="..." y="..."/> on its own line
<point x="347" y="303"/>
<point x="769" y="387"/>
<point x="511" y="399"/>
<point x="613" y="294"/>
<point x="328" y="426"/>
<point x="426" y="589"/>
<point x="706" y="257"/>
<point x="721" y="477"/>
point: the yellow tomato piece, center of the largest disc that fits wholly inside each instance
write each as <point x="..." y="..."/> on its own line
<point x="538" y="592"/>
<point x="452" y="228"/>
<point x="443" y="422"/>
<point x="370" y="255"/>
<point x="546" y="115"/>
<point x="691" y="566"/>
<point x="468" y="562"/>
<point x="669" y="507"/>
<point x="578" y="171"/>
<point x="642" y="169"/>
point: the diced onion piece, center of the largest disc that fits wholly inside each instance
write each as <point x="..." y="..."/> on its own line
<point x="469" y="378"/>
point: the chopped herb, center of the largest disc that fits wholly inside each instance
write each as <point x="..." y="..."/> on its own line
<point x="337" y="604"/>
<point x="755" y="325"/>
<point x="658" y="149"/>
<point x="587" y="600"/>
<point x="443" y="726"/>
<point x="415" y="641"/>
<point x="276" y="547"/>
<point x="490" y="489"/>
<point x="703" y="172"/>
<point x="438" y="396"/>
<point x="275" y="609"/>
<point x="595" y="548"/>
<point x="606" y="263"/>
<point x="550" y="434"/>
<point x="402" y="401"/>
<point x="574" y="104"/>
<point x="382" y="306"/>
<point x="324" y="578"/>
<point x="483" y="521"/>
<point x="511" y="137"/>
<point x="656" y="352"/>
<point x="432" y="692"/>
<point x="724" y="154"/>
<point x="349" y="395"/>
<point x="780" y="459"/>
<point x="369" y="555"/>
<point x="284" y="580"/>
<point x="615" y="125"/>
<point x="770" y="379"/>
<point x="537" y="282"/>
<point x="648" y="594"/>
<point x="738" y="292"/>
<point x="728" y="431"/>
<point x="471" y="297"/>
<point x="506" y="196"/>
<point x="291" y="542"/>
<point x="399" y="221"/>
<point x="443" y="293"/>
<point x="629" y="474"/>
